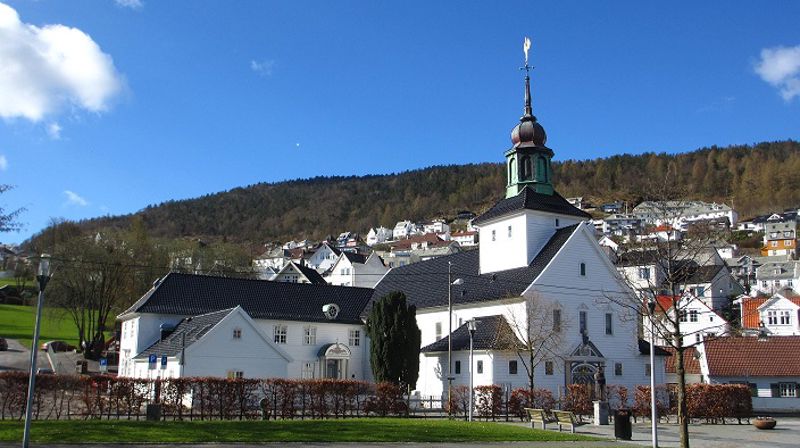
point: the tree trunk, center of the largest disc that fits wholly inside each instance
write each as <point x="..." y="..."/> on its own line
<point x="683" y="419"/>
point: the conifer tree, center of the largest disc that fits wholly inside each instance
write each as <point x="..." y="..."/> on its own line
<point x="394" y="340"/>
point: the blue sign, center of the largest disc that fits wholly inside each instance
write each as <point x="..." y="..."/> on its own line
<point x="152" y="360"/>
<point x="103" y="361"/>
<point x="163" y="361"/>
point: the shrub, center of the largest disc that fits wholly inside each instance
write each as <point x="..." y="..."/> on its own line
<point x="523" y="398"/>
<point x="579" y="399"/>
<point x="488" y="401"/>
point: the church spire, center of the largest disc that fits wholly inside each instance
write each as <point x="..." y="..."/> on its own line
<point x="528" y="160"/>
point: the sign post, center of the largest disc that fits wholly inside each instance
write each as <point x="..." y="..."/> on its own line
<point x="103" y="365"/>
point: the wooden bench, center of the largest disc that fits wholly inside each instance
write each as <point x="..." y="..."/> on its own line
<point x="565" y="418"/>
<point x="537" y="415"/>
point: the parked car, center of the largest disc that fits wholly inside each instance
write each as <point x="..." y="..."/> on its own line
<point x="44" y="371"/>
<point x="57" y="346"/>
<point x="3" y="344"/>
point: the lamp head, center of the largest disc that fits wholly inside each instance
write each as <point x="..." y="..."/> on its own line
<point x="44" y="266"/>
<point x="472" y="325"/>
<point x="458" y="281"/>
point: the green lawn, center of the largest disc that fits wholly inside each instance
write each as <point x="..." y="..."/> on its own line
<point x="346" y="430"/>
<point x="17" y="322"/>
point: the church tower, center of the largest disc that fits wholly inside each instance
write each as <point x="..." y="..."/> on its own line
<point x="528" y="159"/>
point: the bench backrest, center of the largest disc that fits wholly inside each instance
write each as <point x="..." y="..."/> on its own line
<point x="564" y="416"/>
<point x="536" y="414"/>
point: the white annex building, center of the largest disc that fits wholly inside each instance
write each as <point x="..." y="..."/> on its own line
<point x="197" y="325"/>
<point x="537" y="252"/>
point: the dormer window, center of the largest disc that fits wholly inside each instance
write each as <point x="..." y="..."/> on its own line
<point x="556" y="222"/>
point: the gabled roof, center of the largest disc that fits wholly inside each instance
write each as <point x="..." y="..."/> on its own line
<point x="491" y="333"/>
<point x="193" y="328"/>
<point x="425" y="283"/>
<point x="190" y="295"/>
<point x="751" y="316"/>
<point x="753" y="356"/>
<point x="527" y="199"/>
<point x="691" y="361"/>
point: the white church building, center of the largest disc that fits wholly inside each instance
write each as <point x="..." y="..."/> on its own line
<point x="537" y="252"/>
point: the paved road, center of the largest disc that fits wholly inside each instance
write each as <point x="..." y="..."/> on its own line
<point x="18" y="357"/>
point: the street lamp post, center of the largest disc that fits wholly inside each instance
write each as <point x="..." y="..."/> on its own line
<point x="471" y="326"/>
<point x="43" y="277"/>
<point x="651" y="305"/>
<point x="450" y="378"/>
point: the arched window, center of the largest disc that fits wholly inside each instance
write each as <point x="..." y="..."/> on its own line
<point x="511" y="170"/>
<point x="526" y="168"/>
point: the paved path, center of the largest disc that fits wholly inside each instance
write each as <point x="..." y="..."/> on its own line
<point x="18" y="357"/>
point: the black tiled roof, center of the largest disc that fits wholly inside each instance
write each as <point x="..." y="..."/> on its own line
<point x="355" y="258"/>
<point x="527" y="199"/>
<point x="192" y="327"/>
<point x="190" y="295"/>
<point x="311" y="274"/>
<point x="491" y="333"/>
<point x="425" y="283"/>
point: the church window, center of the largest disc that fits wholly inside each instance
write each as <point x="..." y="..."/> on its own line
<point x="480" y="367"/>
<point x="556" y="321"/>
<point x="583" y="269"/>
<point x="458" y="368"/>
<point x="618" y="369"/>
<point x="355" y="338"/>
<point x="511" y="169"/>
<point x="548" y="367"/>
<point x="308" y="370"/>
<point x="310" y="335"/>
<point x="556" y="222"/>
<point x="647" y="369"/>
<point x="509" y="231"/>
<point x="494" y="235"/>
<point x="583" y="318"/>
<point x="512" y="367"/>
<point x="438" y="330"/>
<point x="609" y="323"/>
<point x="237" y="333"/>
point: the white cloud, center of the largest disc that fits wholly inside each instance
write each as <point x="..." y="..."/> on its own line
<point x="132" y="4"/>
<point x="47" y="68"/>
<point x="263" y="68"/>
<point x="54" y="131"/>
<point x="3" y="163"/>
<point x="780" y="66"/>
<point x="75" y="199"/>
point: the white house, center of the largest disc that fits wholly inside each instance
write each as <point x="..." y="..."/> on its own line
<point x="680" y="214"/>
<point x="197" y="325"/>
<point x="776" y="275"/>
<point x="465" y="239"/>
<point x="298" y="273"/>
<point x="378" y="235"/>
<point x="768" y="365"/>
<point x="357" y="270"/>
<point x="697" y="320"/>
<point x="776" y="315"/>
<point x="537" y="252"/>
<point x="324" y="257"/>
<point x="437" y="226"/>
<point x="403" y="229"/>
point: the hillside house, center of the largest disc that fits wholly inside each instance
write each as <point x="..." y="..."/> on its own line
<point x="378" y="235"/>
<point x="775" y="315"/>
<point x="780" y="237"/>
<point x="298" y="273"/>
<point x="359" y="270"/>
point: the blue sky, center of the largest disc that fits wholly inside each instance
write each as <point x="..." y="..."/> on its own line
<point x="115" y="105"/>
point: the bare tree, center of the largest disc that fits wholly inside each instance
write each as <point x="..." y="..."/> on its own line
<point x="662" y="269"/>
<point x="8" y="218"/>
<point x="91" y="280"/>
<point x="537" y="333"/>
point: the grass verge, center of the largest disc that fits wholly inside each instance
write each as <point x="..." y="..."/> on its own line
<point x="17" y="322"/>
<point x="345" y="430"/>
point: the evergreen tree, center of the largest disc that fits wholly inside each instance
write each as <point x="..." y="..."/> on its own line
<point x="395" y="340"/>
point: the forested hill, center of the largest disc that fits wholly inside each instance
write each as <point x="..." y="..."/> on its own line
<point x="755" y="179"/>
